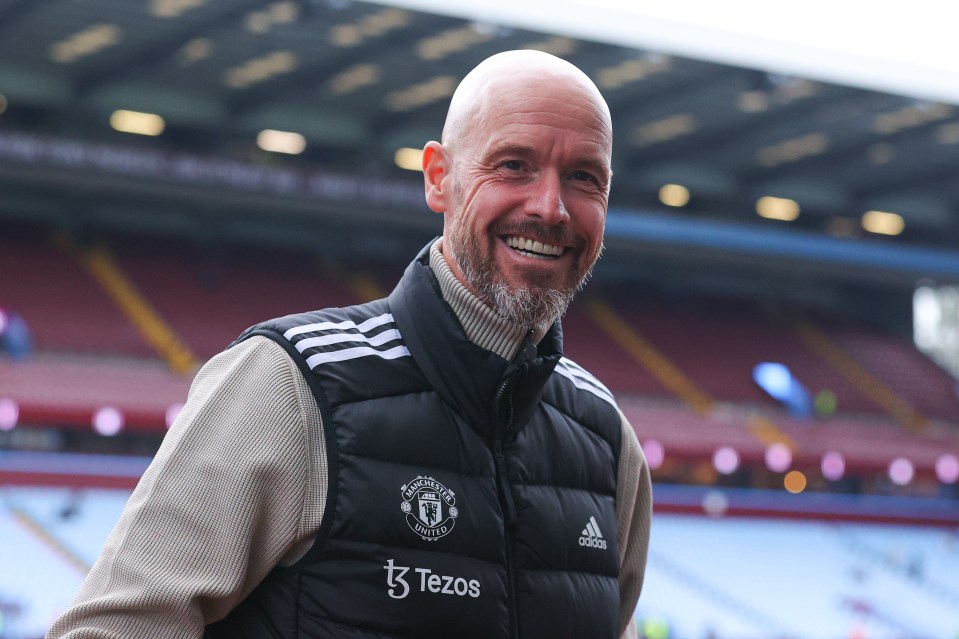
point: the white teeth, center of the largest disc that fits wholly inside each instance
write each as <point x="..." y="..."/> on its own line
<point x="535" y="248"/>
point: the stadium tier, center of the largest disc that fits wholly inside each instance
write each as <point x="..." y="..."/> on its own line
<point x="717" y="344"/>
<point x="63" y="305"/>
<point x="707" y="576"/>
<point x="756" y="578"/>
<point x="598" y="352"/>
<point x="900" y="366"/>
<point x="682" y="370"/>
<point x="55" y="390"/>
<point x="866" y="443"/>
<point x="209" y="299"/>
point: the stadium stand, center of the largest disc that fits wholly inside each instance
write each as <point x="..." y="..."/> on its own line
<point x="207" y="296"/>
<point x="868" y="443"/>
<point x="897" y="363"/>
<point x="208" y="299"/>
<point x="596" y="351"/>
<point x="718" y="343"/>
<point x="143" y="389"/>
<point x="37" y="583"/>
<point x="686" y="433"/>
<point x="749" y="575"/>
<point x="715" y="346"/>
<point x="65" y="309"/>
<point x="707" y="576"/>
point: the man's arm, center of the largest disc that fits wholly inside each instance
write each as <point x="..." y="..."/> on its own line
<point x="634" y="509"/>
<point x="221" y="504"/>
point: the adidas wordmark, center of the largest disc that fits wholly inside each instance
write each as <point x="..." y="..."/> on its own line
<point x="592" y="536"/>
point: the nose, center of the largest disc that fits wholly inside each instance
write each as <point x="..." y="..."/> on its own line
<point x="545" y="199"/>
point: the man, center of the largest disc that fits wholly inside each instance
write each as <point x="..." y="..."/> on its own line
<point x="426" y="465"/>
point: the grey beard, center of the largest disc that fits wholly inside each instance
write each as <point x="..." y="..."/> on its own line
<point x="528" y="307"/>
<point x="523" y="306"/>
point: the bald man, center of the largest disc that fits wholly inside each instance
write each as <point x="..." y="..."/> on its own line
<point x="427" y="465"/>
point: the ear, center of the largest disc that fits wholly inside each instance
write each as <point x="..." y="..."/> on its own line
<point x="435" y="171"/>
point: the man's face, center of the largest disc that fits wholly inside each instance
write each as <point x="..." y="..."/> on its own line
<point x="530" y="193"/>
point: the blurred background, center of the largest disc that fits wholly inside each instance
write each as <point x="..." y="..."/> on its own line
<point x="777" y="311"/>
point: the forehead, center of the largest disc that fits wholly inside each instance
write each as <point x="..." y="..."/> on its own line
<point x="545" y="112"/>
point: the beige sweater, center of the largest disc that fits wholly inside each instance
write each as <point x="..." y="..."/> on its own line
<point x="239" y="485"/>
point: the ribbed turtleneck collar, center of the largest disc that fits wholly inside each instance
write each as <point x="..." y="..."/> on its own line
<point x="483" y="326"/>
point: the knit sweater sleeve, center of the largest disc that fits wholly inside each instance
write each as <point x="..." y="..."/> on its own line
<point x="235" y="486"/>
<point x="634" y="506"/>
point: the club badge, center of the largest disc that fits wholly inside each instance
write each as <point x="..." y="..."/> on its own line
<point x="429" y="507"/>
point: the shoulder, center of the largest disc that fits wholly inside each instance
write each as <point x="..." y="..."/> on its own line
<point x="335" y="334"/>
<point x="579" y="381"/>
<point x="253" y="362"/>
<point x="577" y="393"/>
<point x="293" y="327"/>
<point x="346" y="354"/>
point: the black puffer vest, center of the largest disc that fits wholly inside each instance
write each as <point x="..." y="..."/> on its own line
<point x="469" y="497"/>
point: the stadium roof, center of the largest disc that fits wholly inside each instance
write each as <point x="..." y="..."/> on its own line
<point x="358" y="81"/>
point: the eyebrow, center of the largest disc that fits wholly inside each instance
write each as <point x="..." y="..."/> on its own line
<point x="511" y="149"/>
<point x="524" y="151"/>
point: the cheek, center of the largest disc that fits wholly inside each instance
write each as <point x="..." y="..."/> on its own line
<point x="474" y="200"/>
<point x="486" y="208"/>
<point x="592" y="222"/>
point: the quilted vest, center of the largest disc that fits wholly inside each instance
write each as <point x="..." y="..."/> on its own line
<point x="469" y="497"/>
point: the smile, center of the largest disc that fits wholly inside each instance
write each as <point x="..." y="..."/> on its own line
<point x="533" y="248"/>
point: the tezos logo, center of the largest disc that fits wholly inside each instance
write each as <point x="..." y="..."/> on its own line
<point x="398" y="587"/>
<point x="430" y="507"/>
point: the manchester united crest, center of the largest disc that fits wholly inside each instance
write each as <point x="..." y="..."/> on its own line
<point x="429" y="507"/>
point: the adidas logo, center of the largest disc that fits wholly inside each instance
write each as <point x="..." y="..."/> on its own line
<point x="592" y="537"/>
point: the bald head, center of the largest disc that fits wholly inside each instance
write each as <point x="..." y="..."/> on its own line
<point x="509" y="72"/>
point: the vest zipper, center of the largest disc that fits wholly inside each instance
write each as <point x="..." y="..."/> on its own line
<point x="502" y="427"/>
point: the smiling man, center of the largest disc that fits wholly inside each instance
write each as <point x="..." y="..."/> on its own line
<point x="427" y="465"/>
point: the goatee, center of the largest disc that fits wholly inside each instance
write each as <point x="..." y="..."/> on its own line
<point x="524" y="305"/>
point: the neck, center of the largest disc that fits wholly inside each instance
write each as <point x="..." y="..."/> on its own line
<point x="483" y="326"/>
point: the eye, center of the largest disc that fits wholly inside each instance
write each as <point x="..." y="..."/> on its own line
<point x="583" y="176"/>
<point x="512" y="165"/>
